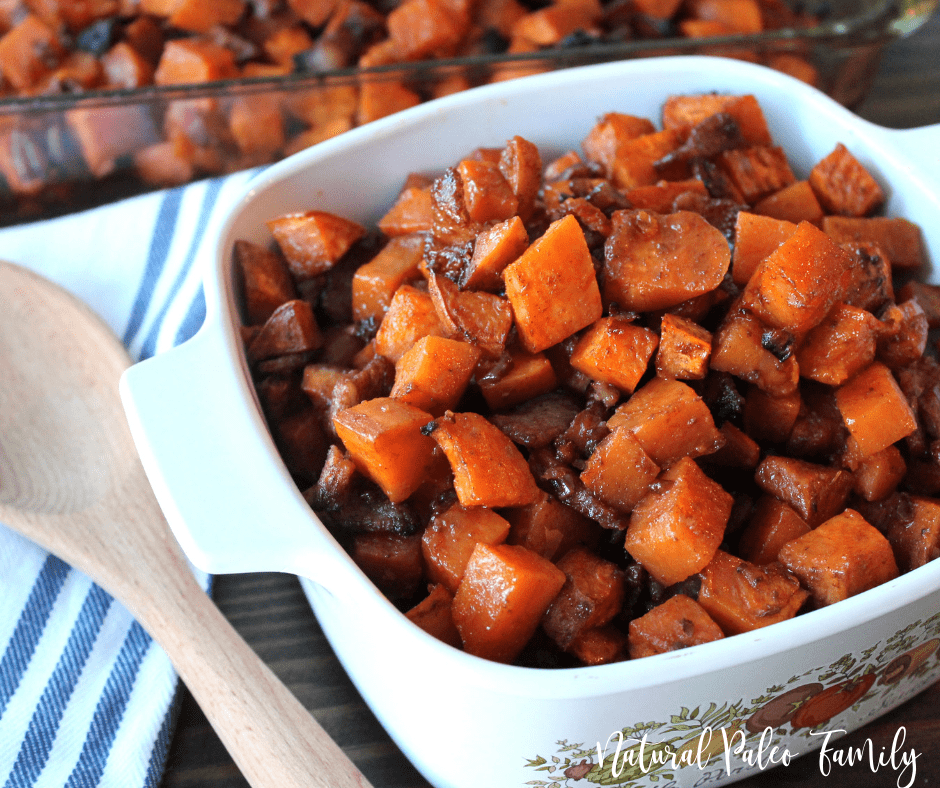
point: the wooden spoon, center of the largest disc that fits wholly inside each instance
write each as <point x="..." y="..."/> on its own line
<point x="71" y="480"/>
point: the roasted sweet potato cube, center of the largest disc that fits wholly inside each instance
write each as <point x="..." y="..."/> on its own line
<point x="688" y="110"/>
<point x="797" y="284"/>
<point x="257" y="124"/>
<point x="29" y="52"/>
<point x="313" y="242"/>
<point x="161" y="164"/>
<point x="840" y="558"/>
<point x="772" y="524"/>
<point x="654" y="261"/>
<point x="199" y="17"/>
<point x="634" y="164"/>
<point x="684" y="349"/>
<point x="494" y="249"/>
<point x="816" y="492"/>
<point x="675" y="530"/>
<point x="600" y="646"/>
<point x="450" y="537"/>
<point x="484" y="319"/>
<point x="757" y="171"/>
<point x="285" y="42"/>
<point x="740" y="450"/>
<point x="743" y="347"/>
<point x="914" y="532"/>
<point x="661" y="196"/>
<point x="265" y="281"/>
<point x="384" y="438"/>
<point x="125" y="67"/>
<point x="876" y="475"/>
<point x="755" y="237"/>
<point x="768" y="417"/>
<point x="870" y="286"/>
<point x="618" y="471"/>
<point x="679" y="622"/>
<point x="391" y="561"/>
<point x="516" y="377"/>
<point x="794" y="203"/>
<point x="187" y="61"/>
<point x="552" y="286"/>
<point x="592" y="595"/>
<point x="614" y="351"/>
<point x="410" y="316"/>
<point x="488" y="468"/>
<point x="741" y="596"/>
<point x="875" y="409"/>
<point x="669" y="420"/>
<point x="840" y="346"/>
<point x="904" y="339"/>
<point x="105" y="134"/>
<point x="606" y="138"/>
<point x="422" y="27"/>
<point x="302" y="444"/>
<point x="433" y="374"/>
<point x="549" y="25"/>
<point x="487" y="195"/>
<point x="819" y="430"/>
<point x="521" y="165"/>
<point x="657" y="9"/>
<point x="411" y="213"/>
<point x="291" y="328"/>
<point x="844" y="186"/>
<point x="501" y="599"/>
<point x="434" y="615"/>
<point x="318" y="382"/>
<point x="550" y="528"/>
<point x="376" y="281"/>
<point x="899" y="239"/>
<point x="739" y="16"/>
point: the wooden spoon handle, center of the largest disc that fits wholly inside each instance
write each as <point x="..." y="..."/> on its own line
<point x="272" y="738"/>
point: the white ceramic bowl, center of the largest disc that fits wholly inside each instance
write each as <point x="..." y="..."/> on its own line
<point x="463" y="721"/>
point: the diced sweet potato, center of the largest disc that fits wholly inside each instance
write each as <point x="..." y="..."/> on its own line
<point x="125" y="67"/>
<point x="875" y="409"/>
<point x="904" y="338"/>
<point x="433" y="374"/>
<point x="840" y="346"/>
<point x="679" y="622"/>
<point x="635" y="158"/>
<point x="739" y="16"/>
<point x="658" y="9"/>
<point x="550" y="528"/>
<point x="768" y="417"/>
<point x="422" y="27"/>
<point x="876" y="475"/>
<point x="841" y="558"/>
<point x="669" y="420"/>
<point x="302" y="444"/>
<point x="772" y="524"/>
<point x="105" y="134"/>
<point x="313" y="242"/>
<point x="794" y="203"/>
<point x="486" y="193"/>
<point x="739" y="450"/>
<point x="516" y="377"/>
<point x="411" y="213"/>
<point x="897" y="238"/>
<point x="914" y="532"/>
<point x="265" y="281"/>
<point x="549" y="25"/>
<point x="29" y="52"/>
<point x="390" y="561"/>
<point x="434" y="615"/>
<point x="652" y="261"/>
<point x="188" y="61"/>
<point x="494" y="249"/>
<point x="684" y="111"/>
<point x="199" y="17"/>
<point x="450" y="537"/>
<point x="684" y="349"/>
<point x="741" y="596"/>
<point x="502" y="597"/>
<point x="376" y="282"/>
<point x="313" y="12"/>
<point x="484" y="319"/>
<point x="757" y="171"/>
<point x="606" y="138"/>
<point x="381" y="98"/>
<point x="816" y="492"/>
<point x="592" y="595"/>
<point x="797" y="284"/>
<point x="384" y="438"/>
<point x="755" y="237"/>
<point x="844" y="186"/>
<point x="318" y="382"/>
<point x="552" y="286"/>
<point x="927" y="295"/>
<point x="600" y="646"/>
<point x="410" y="316"/>
<point x="870" y="285"/>
<point x="161" y="164"/>
<point x="257" y="124"/>
<point x="614" y="351"/>
<point x="488" y="469"/>
<point x="619" y="472"/>
<point x="521" y="165"/>
<point x="675" y="530"/>
<point x="291" y="328"/>
<point x="660" y="197"/>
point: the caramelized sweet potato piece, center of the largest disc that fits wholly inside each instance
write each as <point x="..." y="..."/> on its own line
<point x="552" y="286"/>
<point x="411" y="213"/>
<point x="844" y="186"/>
<point x="391" y="561"/>
<point x="755" y="237"/>
<point x="549" y="25"/>
<point x="684" y="349"/>
<point x="29" y="52"/>
<point x="516" y="377"/>
<point x="488" y="469"/>
<point x="501" y="599"/>
<point x="739" y="16"/>
<point x="266" y="283"/>
<point x="486" y="193"/>
<point x="483" y="319"/>
<point x="757" y="171"/>
<point x="927" y="295"/>
<point x="914" y="532"/>
<point x="591" y="597"/>
<point x="125" y="67"/>
<point x="614" y="351"/>
<point x="105" y="134"/>
<point x="635" y="160"/>
<point x="840" y="558"/>
<point x="840" y="346"/>
<point x="191" y="60"/>
<point x="420" y="28"/>
<point x="875" y="409"/>
<point x="772" y="524"/>
<point x="683" y="111"/>
<point x="794" y="203"/>
<point x="257" y="125"/>
<point x="899" y="239"/>
<point x="550" y="528"/>
<point x="768" y="417"/>
<point x="876" y="475"/>
<point x="816" y="492"/>
<point x="669" y="420"/>
<point x="494" y="249"/>
<point x="521" y="165"/>
<point x="661" y="196"/>
<point x="376" y="282"/>
<point x="741" y="596"/>
<point x="675" y="530"/>
<point x="384" y="437"/>
<point x="679" y="622"/>
<point x="434" y="615"/>
<point x="433" y="374"/>
<point x="606" y="138"/>
<point x="653" y="261"/>
<point x="870" y="285"/>
<point x="619" y="472"/>
<point x="291" y="328"/>
<point x="313" y="242"/>
<point x="450" y="538"/>
<point x="199" y="17"/>
<point x="410" y="316"/>
<point x="740" y="450"/>
<point x="904" y="339"/>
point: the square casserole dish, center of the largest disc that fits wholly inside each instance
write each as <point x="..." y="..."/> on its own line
<point x="65" y="152"/>
<point x="465" y="721"/>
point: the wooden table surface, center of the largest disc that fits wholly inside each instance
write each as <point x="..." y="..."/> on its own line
<point x="271" y="612"/>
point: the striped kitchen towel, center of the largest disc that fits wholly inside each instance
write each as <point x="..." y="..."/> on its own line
<point x="86" y="699"/>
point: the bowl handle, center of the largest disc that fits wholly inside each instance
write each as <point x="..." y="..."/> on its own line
<point x="223" y="489"/>
<point x="921" y="145"/>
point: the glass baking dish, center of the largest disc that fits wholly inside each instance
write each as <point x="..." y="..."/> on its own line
<point x="66" y="152"/>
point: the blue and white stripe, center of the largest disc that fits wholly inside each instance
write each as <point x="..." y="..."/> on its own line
<point x="86" y="699"/>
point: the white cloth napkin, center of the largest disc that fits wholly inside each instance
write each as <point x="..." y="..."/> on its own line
<point x="86" y="699"/>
